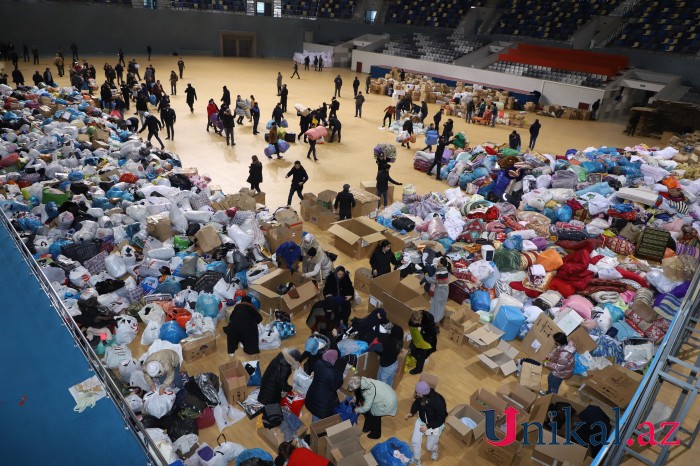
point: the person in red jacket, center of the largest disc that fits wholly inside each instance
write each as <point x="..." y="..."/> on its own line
<point x="297" y="456"/>
<point x="212" y="110"/>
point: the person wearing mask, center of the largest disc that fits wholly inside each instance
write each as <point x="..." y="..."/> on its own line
<point x="227" y="121"/>
<point x="242" y="328"/>
<point x="284" y="94"/>
<point x="535" y="132"/>
<point x="275" y="379"/>
<point x="180" y="66"/>
<point x="212" y="115"/>
<point x="255" y="174"/>
<point x="338" y="81"/>
<point x="383" y="180"/>
<point x="173" y="82"/>
<point x="291" y="455"/>
<point x="355" y="86"/>
<point x="431" y="409"/>
<point x="344" y="203"/>
<point x="389" y="113"/>
<point x="423" y="338"/>
<point x="392" y="343"/>
<point x="316" y="265"/>
<point x="168" y="117"/>
<point x="514" y="140"/>
<point x="335" y="106"/>
<point x="441" y="281"/>
<point x="560" y="362"/>
<point x="153" y="125"/>
<point x="299" y="177"/>
<point x="339" y="287"/>
<point x="336" y="127"/>
<point x="322" y="398"/>
<point x="255" y="116"/>
<point x="437" y="118"/>
<point x="359" y="101"/>
<point x="279" y="83"/>
<point x="191" y="94"/>
<point x="160" y="369"/>
<point x="375" y="400"/>
<point x="447" y="129"/>
<point x="382" y="259"/>
<point x="431" y="137"/>
<point x="312" y="146"/>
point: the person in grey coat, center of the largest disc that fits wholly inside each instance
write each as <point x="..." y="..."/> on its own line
<point x="375" y="400"/>
<point x="440" y="293"/>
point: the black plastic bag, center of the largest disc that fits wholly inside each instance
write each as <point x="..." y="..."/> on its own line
<point x="180" y="427"/>
<point x="180" y="181"/>
<point x="403" y="224"/>
<point x="208" y="383"/>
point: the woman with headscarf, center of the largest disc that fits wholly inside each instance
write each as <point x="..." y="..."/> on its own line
<point x="322" y="397"/>
<point x="275" y="383"/>
<point x="339" y="287"/>
<point x="374" y="399"/>
<point x="423" y="338"/>
<point x="160" y="368"/>
<point x="309" y="241"/>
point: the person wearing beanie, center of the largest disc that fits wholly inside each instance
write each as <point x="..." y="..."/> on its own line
<point x="160" y="368"/>
<point x="432" y="412"/>
<point x="375" y="400"/>
<point x="275" y="378"/>
<point x="322" y="397"/>
<point x="344" y="203"/>
<point x="243" y="328"/>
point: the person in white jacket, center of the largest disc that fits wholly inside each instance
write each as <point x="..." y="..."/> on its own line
<point x="316" y="265"/>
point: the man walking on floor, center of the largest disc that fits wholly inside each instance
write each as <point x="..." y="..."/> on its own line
<point x="168" y="117"/>
<point x="153" y="125"/>
<point x="534" y="132"/>
<point x="191" y="94"/>
<point x="344" y="203"/>
<point x="181" y="66"/>
<point x="359" y="100"/>
<point x="299" y="177"/>
<point x="296" y="71"/>
<point x="338" y="84"/>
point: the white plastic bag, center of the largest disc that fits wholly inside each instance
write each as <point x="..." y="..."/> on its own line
<point x="115" y="265"/>
<point x="127" y="327"/>
<point x="242" y="240"/>
<point x="225" y="290"/>
<point x="158" y="405"/>
<point x="126" y="368"/>
<point x="153" y="312"/>
<point x="115" y="354"/>
<point x="137" y="379"/>
<point x="226" y="415"/>
<point x="229" y="450"/>
<point x="301" y="381"/>
<point x="163" y="443"/>
<point x="135" y="403"/>
<point x="185" y="443"/>
<point x="269" y="337"/>
<point x="151" y="333"/>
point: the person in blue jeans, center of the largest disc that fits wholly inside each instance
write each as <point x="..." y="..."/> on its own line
<point x="391" y="342"/>
<point x="560" y="362"/>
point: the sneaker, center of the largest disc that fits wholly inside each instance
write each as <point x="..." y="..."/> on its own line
<point x="543" y="393"/>
<point x="434" y="456"/>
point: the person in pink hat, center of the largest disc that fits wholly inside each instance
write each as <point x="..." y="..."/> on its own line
<point x="431" y="409"/>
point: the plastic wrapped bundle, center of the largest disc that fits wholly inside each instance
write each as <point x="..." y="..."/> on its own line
<point x="389" y="151"/>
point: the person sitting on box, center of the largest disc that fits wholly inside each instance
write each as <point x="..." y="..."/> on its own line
<point x="292" y="455"/>
<point x="431" y="409"/>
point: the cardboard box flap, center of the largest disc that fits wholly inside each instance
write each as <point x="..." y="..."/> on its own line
<point x="617" y="384"/>
<point x="264" y="284"/>
<point x="373" y="238"/>
<point x="485" y="335"/>
<point x="307" y="292"/>
<point x="454" y="420"/>
<point x="368" y="222"/>
<point x="482" y="400"/>
<point x="343" y="233"/>
<point x="572" y="453"/>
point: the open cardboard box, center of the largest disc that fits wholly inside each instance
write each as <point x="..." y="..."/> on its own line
<point x="546" y="451"/>
<point x="499" y="456"/>
<point x="484" y="337"/>
<point x="516" y="395"/>
<point x="348" y="453"/>
<point x="318" y="433"/>
<point x="326" y="199"/>
<point x="531" y="376"/>
<point x="399" y="241"/>
<point x="500" y="359"/>
<point x="461" y="430"/>
<point x="461" y="322"/>
<point x="321" y="217"/>
<point x="340" y="433"/>
<point x="291" y="220"/>
<point x="357" y="237"/>
<point x="398" y="297"/>
<point x="265" y="289"/>
<point x="276" y="234"/>
<point x="483" y="400"/>
<point x="371" y="187"/>
<point x="538" y="342"/>
<point x="274" y="437"/>
<point x="196" y="347"/>
<point x="612" y="386"/>
<point x="234" y="381"/>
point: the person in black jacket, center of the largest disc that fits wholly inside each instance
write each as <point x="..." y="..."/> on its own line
<point x="338" y="81"/>
<point x="304" y="123"/>
<point x="299" y="177"/>
<point x="191" y="97"/>
<point x="392" y="343"/>
<point x="422" y="324"/>
<point x="431" y="409"/>
<point x="37" y="78"/>
<point x="335" y="106"/>
<point x="408" y="127"/>
<point x="275" y="379"/>
<point x="447" y="129"/>
<point x="339" y="287"/>
<point x="324" y="319"/>
<point x="344" y="203"/>
<point x="382" y="259"/>
<point x="437" y="118"/>
<point x="278" y="114"/>
<point x="383" y="179"/>
<point x="535" y="132"/>
<point x="243" y="327"/>
<point x="17" y="77"/>
<point x="255" y="175"/>
<point x="226" y="97"/>
<point x="48" y="77"/>
<point x="335" y="127"/>
<point x="514" y="140"/>
<point x="168" y="117"/>
<point x="322" y="397"/>
<point x="228" y="124"/>
<point x="153" y="125"/>
<point x="283" y="97"/>
<point x="356" y="86"/>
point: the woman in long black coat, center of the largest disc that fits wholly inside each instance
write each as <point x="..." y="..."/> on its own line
<point x="276" y="376"/>
<point x="339" y="287"/>
<point x="322" y="397"/>
<point x="243" y="327"/>
<point x="255" y="176"/>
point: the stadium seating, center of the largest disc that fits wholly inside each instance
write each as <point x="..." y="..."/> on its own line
<point x="663" y="26"/>
<point x="212" y="5"/>
<point x="550" y="74"/>
<point x="544" y="19"/>
<point x="342" y="9"/>
<point x="302" y="8"/>
<point x="444" y="14"/>
<point x="436" y="47"/>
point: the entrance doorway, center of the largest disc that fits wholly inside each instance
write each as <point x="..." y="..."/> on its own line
<point x="238" y="44"/>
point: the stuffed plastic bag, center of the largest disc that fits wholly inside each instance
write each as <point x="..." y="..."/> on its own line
<point x="115" y="265"/>
<point x="393" y="452"/>
<point x="126" y="368"/>
<point x="157" y="404"/>
<point x="348" y="346"/>
<point x="242" y="239"/>
<point x="269" y="337"/>
<point x="135" y="403"/>
<point x="127" y="327"/>
<point x="301" y="381"/>
<point x="172" y="332"/>
<point x="480" y="300"/>
<point x="436" y="229"/>
<point x="115" y="354"/>
<point x="207" y="305"/>
<point x="226" y="415"/>
<point x="151" y="333"/>
<point x="151" y="312"/>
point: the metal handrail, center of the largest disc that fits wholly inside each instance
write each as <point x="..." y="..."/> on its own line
<point x="632" y="414"/>
<point x="133" y="424"/>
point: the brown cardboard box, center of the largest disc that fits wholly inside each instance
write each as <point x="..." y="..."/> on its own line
<point x="399" y="241"/>
<point x="310" y="197"/>
<point x="323" y="218"/>
<point x="234" y="381"/>
<point x="517" y="395"/>
<point x="461" y="322"/>
<point x="430" y="379"/>
<point x="371" y="187"/>
<point x="461" y="430"/>
<point x="365" y="202"/>
<point x="357" y="237"/>
<point x="558" y="454"/>
<point x="305" y="209"/>
<point x="275" y="437"/>
<point x="83" y="138"/>
<point x="207" y="239"/>
<point x="99" y="145"/>
<point x="398" y="297"/>
<point x="340" y="433"/>
<point x="45" y="111"/>
<point x="573" y="452"/>
<point x="483" y="400"/>
<point x="44" y="100"/>
<point x="484" y="337"/>
<point x="611" y="386"/>
<point x="276" y="235"/>
<point x="100" y="135"/>
<point x="291" y="220"/>
<point x="531" y="376"/>
<point x="500" y="359"/>
<point x="348" y="453"/>
<point x="240" y="201"/>
<point x="367" y="366"/>
<point x="265" y="289"/>
<point x="399" y="371"/>
<point x="326" y="198"/>
<point x="259" y="197"/>
<point x="363" y="278"/>
<point x="197" y="346"/>
<point x="319" y="442"/>
<point x="161" y="228"/>
<point x="500" y="456"/>
<point x="538" y="342"/>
